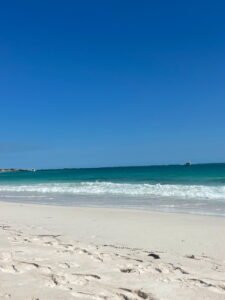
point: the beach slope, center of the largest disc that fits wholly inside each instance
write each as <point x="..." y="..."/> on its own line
<point x="50" y="252"/>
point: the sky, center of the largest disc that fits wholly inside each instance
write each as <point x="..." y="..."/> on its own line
<point x="108" y="83"/>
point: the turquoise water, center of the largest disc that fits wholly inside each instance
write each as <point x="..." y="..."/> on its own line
<point x="171" y="174"/>
<point x="194" y="189"/>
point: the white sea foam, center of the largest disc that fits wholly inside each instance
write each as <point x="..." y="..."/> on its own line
<point x="127" y="189"/>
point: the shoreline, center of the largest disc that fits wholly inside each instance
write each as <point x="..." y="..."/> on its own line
<point x="111" y="207"/>
<point x="59" y="252"/>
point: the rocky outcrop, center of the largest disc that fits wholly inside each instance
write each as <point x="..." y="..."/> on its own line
<point x="16" y="170"/>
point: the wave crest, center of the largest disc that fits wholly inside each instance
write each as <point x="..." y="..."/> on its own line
<point x="126" y="189"/>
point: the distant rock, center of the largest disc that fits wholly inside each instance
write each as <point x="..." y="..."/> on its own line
<point x="16" y="170"/>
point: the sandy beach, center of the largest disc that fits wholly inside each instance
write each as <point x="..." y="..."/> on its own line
<point x="50" y="252"/>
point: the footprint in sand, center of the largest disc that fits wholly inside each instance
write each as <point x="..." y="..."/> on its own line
<point x="5" y="296"/>
<point x="9" y="269"/>
<point x="5" y="256"/>
<point x="127" y="293"/>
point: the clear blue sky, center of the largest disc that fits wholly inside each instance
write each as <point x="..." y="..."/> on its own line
<point x="96" y="83"/>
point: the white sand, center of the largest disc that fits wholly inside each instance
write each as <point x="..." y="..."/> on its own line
<point x="51" y="252"/>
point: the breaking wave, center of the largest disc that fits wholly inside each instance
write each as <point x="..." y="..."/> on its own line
<point x="126" y="189"/>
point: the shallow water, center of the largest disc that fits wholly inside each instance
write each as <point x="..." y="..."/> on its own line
<point x="196" y="189"/>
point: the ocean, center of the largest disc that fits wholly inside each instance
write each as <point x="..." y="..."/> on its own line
<point x="197" y="189"/>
